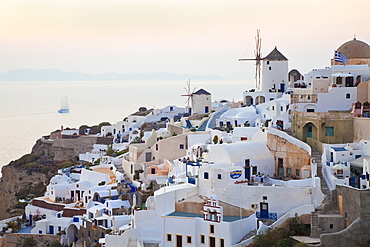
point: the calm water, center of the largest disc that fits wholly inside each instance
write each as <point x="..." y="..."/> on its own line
<point x="28" y="110"/>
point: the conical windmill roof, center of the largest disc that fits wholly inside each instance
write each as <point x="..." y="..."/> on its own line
<point x="275" y="55"/>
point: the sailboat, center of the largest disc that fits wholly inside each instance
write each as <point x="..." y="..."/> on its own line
<point x="64" y="106"/>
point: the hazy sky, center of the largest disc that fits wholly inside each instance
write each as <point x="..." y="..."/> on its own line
<point x="196" y="37"/>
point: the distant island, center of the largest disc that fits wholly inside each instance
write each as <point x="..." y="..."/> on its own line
<point x="59" y="75"/>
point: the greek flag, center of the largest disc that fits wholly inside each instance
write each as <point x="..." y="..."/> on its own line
<point x="340" y="57"/>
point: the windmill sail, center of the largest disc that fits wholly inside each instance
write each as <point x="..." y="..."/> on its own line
<point x="258" y="58"/>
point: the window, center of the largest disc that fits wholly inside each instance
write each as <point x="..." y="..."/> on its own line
<point x="271" y="99"/>
<point x="221" y="123"/>
<point x="340" y="171"/>
<point x="212" y="229"/>
<point x="181" y="146"/>
<point x="268" y="62"/>
<point x="188" y="239"/>
<point x="264" y="198"/>
<point x="169" y="237"/>
<point x="243" y="138"/>
<point x="288" y="171"/>
<point x="219" y="176"/>
<point x="281" y="108"/>
<point x="329" y="131"/>
<point x="88" y="233"/>
<point x="222" y="242"/>
<point x="254" y="170"/>
<point x="59" y="228"/>
<point x="202" y="239"/>
<point x="269" y="68"/>
<point x="273" y="108"/>
<point x="339" y="80"/>
<point x="348" y="96"/>
<point x="298" y="172"/>
<point x="331" y="226"/>
<point x="156" y="146"/>
<point x="205" y="175"/>
<point x="247" y="162"/>
<point x="310" y="110"/>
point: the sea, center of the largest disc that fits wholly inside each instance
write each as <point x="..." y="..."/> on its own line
<point x="28" y="109"/>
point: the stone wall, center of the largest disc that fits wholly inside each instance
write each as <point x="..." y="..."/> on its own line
<point x="16" y="239"/>
<point x="90" y="235"/>
<point x="355" y="235"/>
<point x="342" y="121"/>
<point x="294" y="157"/>
<point x="361" y="129"/>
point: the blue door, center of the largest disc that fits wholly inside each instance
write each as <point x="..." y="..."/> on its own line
<point x="247" y="172"/>
<point x="282" y="87"/>
<point x="51" y="229"/>
<point x="264" y="208"/>
<point x="206" y="109"/>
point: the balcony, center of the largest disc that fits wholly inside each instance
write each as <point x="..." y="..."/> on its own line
<point x="271" y="216"/>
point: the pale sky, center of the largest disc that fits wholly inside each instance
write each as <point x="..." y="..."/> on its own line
<point x="194" y="36"/>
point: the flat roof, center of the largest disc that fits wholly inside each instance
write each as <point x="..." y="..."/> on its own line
<point x="338" y="149"/>
<point x="194" y="215"/>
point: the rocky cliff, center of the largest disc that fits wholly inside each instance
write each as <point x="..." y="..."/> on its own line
<point x="28" y="176"/>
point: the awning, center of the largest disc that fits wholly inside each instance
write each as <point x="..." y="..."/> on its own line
<point x="342" y="75"/>
<point x="359" y="161"/>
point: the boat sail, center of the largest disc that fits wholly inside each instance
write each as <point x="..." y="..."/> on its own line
<point x="64" y="106"/>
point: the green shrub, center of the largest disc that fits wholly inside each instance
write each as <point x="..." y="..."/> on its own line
<point x="25" y="159"/>
<point x="29" y="242"/>
<point x="55" y="244"/>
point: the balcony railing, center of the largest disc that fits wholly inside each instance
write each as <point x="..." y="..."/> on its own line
<point x="271" y="216"/>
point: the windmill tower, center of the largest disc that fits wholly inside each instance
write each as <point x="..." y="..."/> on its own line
<point x="190" y="101"/>
<point x="258" y="58"/>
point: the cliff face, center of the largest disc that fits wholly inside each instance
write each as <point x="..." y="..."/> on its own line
<point x="18" y="181"/>
<point x="29" y="175"/>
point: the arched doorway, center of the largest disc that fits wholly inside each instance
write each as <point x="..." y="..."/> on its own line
<point x="260" y="99"/>
<point x="248" y="100"/>
<point x="71" y="233"/>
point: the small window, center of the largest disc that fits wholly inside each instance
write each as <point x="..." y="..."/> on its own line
<point x="273" y="108"/>
<point x="268" y="62"/>
<point x="169" y="237"/>
<point x="310" y="110"/>
<point x="269" y="68"/>
<point x="212" y="229"/>
<point x="329" y="131"/>
<point x="219" y="176"/>
<point x="271" y="99"/>
<point x="348" y="96"/>
<point x="288" y="171"/>
<point x="264" y="198"/>
<point x="59" y="228"/>
<point x="221" y="123"/>
<point x="331" y="226"/>
<point x="298" y="172"/>
<point x="188" y="239"/>
<point x="40" y="232"/>
<point x="254" y="170"/>
<point x="181" y="146"/>
<point x="281" y="108"/>
<point x="205" y="175"/>
<point x="88" y="233"/>
<point x="202" y="239"/>
<point x="247" y="162"/>
<point x="222" y="242"/>
<point x="156" y="146"/>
